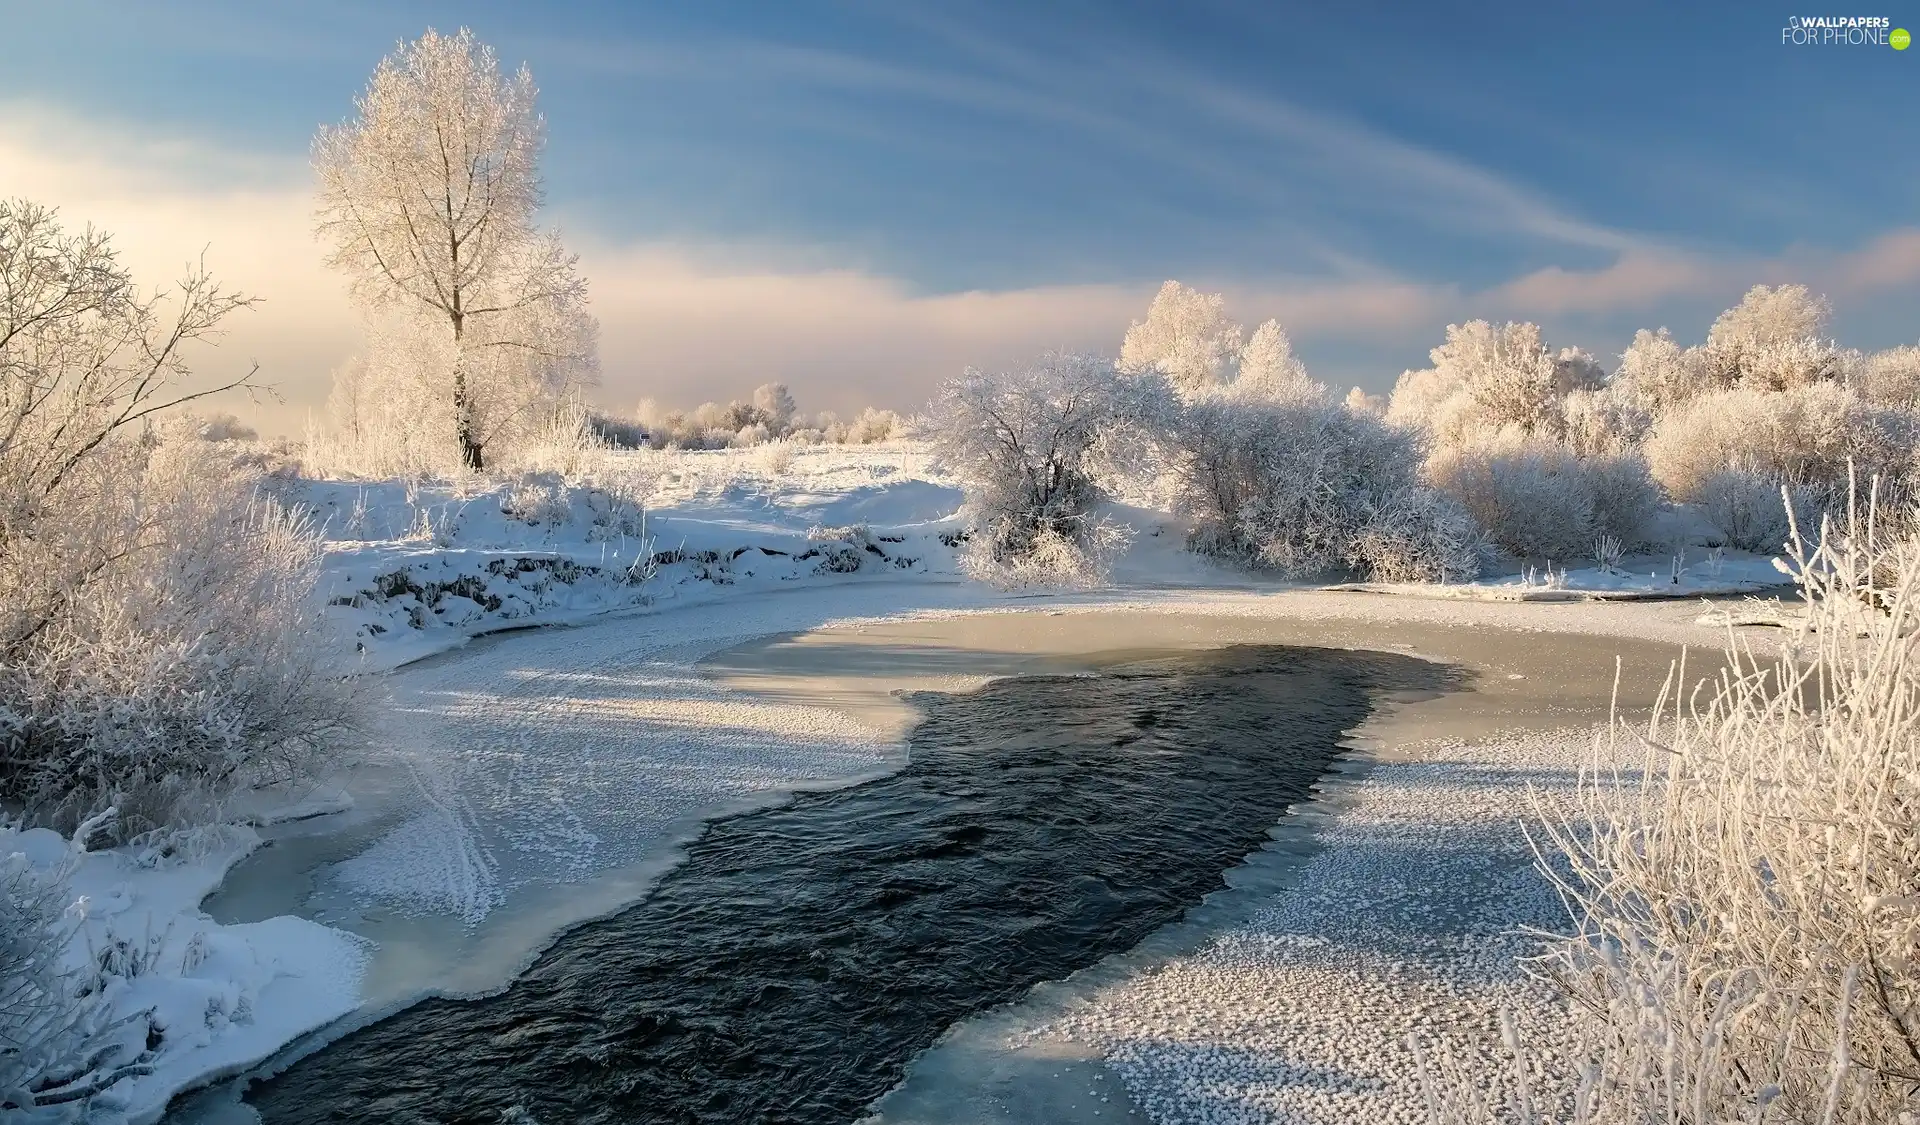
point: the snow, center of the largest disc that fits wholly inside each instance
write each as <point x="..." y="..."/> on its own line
<point x="225" y="996"/>
<point x="1639" y="577"/>
<point x="533" y="782"/>
<point x="1401" y="917"/>
<point x="415" y="569"/>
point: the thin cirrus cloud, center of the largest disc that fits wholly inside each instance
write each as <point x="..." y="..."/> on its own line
<point x="685" y="322"/>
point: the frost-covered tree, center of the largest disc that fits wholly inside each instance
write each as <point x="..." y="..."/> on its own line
<point x="1186" y="337"/>
<point x="1658" y="373"/>
<point x="1269" y="369"/>
<point x="428" y="197"/>
<point x="1361" y="401"/>
<point x="159" y="645"/>
<point x="1022" y="444"/>
<point x="1773" y="341"/>
<point x="776" y="406"/>
<point x="1506" y="373"/>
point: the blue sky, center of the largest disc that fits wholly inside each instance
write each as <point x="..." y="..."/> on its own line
<point x="1652" y="160"/>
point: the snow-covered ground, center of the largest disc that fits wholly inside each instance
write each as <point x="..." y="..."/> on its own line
<point x="222" y="997"/>
<point x="531" y="782"/>
<point x="414" y="569"/>
<point x="1402" y="925"/>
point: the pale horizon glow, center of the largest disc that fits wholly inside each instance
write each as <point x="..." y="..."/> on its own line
<point x="685" y="323"/>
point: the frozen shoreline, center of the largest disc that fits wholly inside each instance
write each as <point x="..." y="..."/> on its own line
<point x="766" y="681"/>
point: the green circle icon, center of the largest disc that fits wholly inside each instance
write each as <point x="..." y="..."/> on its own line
<point x="1899" y="39"/>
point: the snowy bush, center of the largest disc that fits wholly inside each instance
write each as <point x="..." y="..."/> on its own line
<point x="1536" y="499"/>
<point x="1488" y="378"/>
<point x="1746" y="905"/>
<point x="159" y="641"/>
<point x="771" y="417"/>
<point x="1890" y="378"/>
<point x="1022" y="444"/>
<point x="58" y="1044"/>
<point x="1416" y="535"/>
<point x="1294" y="484"/>
<point x="1771" y="341"/>
<point x="1657" y="373"/>
<point x="1604" y="423"/>
<point x="1719" y="447"/>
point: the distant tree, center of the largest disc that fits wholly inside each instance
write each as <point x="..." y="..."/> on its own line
<point x="1658" y="373"/>
<point x="1773" y="341"/>
<point x="1360" y="401"/>
<point x="776" y="406"/>
<point x="1487" y="378"/>
<point x="1891" y="377"/>
<point x="1269" y="369"/>
<point x="428" y="197"/>
<point x="1186" y="336"/>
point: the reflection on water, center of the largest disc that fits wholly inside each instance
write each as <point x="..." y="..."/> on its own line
<point x="791" y="968"/>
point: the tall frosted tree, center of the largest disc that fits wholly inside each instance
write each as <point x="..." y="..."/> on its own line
<point x="428" y="197"/>
<point x="1187" y="336"/>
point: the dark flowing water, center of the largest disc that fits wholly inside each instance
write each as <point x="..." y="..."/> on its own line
<point x="791" y="968"/>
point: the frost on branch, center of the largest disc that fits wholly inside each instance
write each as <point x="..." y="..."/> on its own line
<point x="1746" y="905"/>
<point x="428" y="199"/>
<point x="1186" y="337"/>
<point x="1023" y="446"/>
<point x="159" y="643"/>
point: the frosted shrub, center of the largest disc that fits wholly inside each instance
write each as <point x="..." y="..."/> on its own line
<point x="770" y="417"/>
<point x="159" y="641"/>
<point x="1771" y="341"/>
<point x="538" y="500"/>
<point x="1657" y="373"/>
<point x="1293" y="485"/>
<point x="1536" y="499"/>
<point x="1746" y="906"/>
<point x="1604" y="423"/>
<point x="58" y="1045"/>
<point x="172" y="652"/>
<point x="1719" y="447"/>
<point x="1487" y="378"/>
<point x="1416" y="535"/>
<point x="776" y="459"/>
<point x="1021" y="445"/>
<point x="1890" y="378"/>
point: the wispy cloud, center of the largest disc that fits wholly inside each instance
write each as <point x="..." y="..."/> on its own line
<point x="685" y="322"/>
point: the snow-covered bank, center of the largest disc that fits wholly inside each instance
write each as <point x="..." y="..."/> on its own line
<point x="1399" y="923"/>
<point x="199" y="999"/>
<point x="415" y="569"/>
<point x="1708" y="574"/>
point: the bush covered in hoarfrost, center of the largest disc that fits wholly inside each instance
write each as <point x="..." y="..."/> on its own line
<point x="1727" y="451"/>
<point x="1023" y="445"/>
<point x="1305" y="486"/>
<point x="59" y="1043"/>
<point x="159" y="642"/>
<point x="1746" y="905"/>
<point x="1536" y="499"/>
